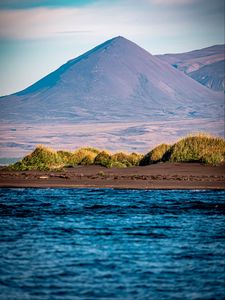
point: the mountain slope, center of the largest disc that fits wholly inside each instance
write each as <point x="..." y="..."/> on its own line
<point x="211" y="75"/>
<point x="205" y="65"/>
<point x="116" y="81"/>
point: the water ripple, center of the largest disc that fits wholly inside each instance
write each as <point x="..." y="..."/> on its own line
<point x="111" y="244"/>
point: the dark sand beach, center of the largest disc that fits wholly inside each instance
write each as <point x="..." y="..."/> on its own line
<point x="157" y="176"/>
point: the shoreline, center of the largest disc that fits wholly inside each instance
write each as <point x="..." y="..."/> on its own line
<point x="163" y="176"/>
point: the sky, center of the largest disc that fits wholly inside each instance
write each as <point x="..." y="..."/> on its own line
<point x="37" y="36"/>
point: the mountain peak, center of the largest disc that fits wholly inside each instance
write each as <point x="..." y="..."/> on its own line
<point x="123" y="40"/>
<point x="117" y="80"/>
<point x="117" y="41"/>
<point x="115" y="47"/>
<point x="120" y="38"/>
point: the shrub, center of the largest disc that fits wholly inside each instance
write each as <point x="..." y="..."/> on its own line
<point x="126" y="159"/>
<point x="155" y="155"/>
<point x="83" y="155"/>
<point x="88" y="159"/>
<point x="65" y="156"/>
<point x="41" y="158"/>
<point x="19" y="166"/>
<point x="103" y="159"/>
<point x="197" y="148"/>
<point x="135" y="158"/>
<point x="213" y="159"/>
<point x="122" y="159"/>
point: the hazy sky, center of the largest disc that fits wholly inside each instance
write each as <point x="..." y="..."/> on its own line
<point x="36" y="37"/>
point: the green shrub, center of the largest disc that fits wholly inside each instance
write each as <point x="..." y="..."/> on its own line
<point x="197" y="148"/>
<point x="65" y="156"/>
<point x="83" y="155"/>
<point x="19" y="166"/>
<point x="78" y="156"/>
<point x="155" y="155"/>
<point x="126" y="159"/>
<point x="121" y="158"/>
<point x="41" y="158"/>
<point x="88" y="159"/>
<point x="103" y="159"/>
<point x="135" y="158"/>
<point x="212" y="158"/>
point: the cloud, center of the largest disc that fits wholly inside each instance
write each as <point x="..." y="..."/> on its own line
<point x="33" y="23"/>
<point x="138" y="22"/>
<point x="101" y="20"/>
<point x="45" y="22"/>
<point x="74" y="32"/>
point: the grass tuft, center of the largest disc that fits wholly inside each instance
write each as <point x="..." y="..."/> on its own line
<point x="198" y="148"/>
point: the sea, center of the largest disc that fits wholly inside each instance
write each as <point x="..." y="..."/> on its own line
<point x="92" y="244"/>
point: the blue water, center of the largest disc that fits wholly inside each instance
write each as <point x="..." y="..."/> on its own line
<point x="111" y="244"/>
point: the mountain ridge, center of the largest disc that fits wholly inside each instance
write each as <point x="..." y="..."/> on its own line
<point x="117" y="80"/>
<point x="205" y="65"/>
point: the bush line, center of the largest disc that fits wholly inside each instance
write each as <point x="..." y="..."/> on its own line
<point x="201" y="148"/>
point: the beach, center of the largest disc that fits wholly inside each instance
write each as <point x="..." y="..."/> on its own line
<point x="156" y="176"/>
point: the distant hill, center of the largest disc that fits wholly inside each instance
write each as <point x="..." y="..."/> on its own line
<point x="116" y="81"/>
<point x="207" y="65"/>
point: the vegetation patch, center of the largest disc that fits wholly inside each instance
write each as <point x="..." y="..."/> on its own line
<point x="193" y="148"/>
<point x="126" y="159"/>
<point x="155" y="155"/>
<point x="197" y="148"/>
<point x="103" y="159"/>
<point x="41" y="158"/>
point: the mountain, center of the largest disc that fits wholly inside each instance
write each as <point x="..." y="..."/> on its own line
<point x="116" y="81"/>
<point x="212" y="75"/>
<point x="116" y="96"/>
<point x="206" y="65"/>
